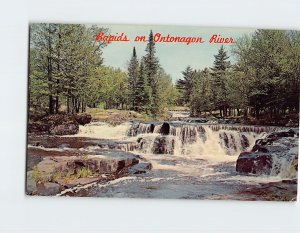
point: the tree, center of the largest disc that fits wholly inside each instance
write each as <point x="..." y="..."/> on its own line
<point x="133" y="73"/>
<point x="143" y="91"/>
<point x="63" y="57"/>
<point x="184" y="85"/>
<point x="151" y="67"/>
<point x="201" y="93"/>
<point x="269" y="62"/>
<point x="220" y="68"/>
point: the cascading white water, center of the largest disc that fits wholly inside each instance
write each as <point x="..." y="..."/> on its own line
<point x="214" y="143"/>
<point x="199" y="141"/>
<point x="103" y="130"/>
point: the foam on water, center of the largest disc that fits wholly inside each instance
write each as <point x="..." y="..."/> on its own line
<point x="103" y="130"/>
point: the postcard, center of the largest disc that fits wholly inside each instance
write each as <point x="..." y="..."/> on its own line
<point x="162" y="111"/>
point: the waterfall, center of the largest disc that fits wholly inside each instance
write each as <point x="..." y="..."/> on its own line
<point x="203" y="141"/>
<point x="197" y="140"/>
<point x="210" y="142"/>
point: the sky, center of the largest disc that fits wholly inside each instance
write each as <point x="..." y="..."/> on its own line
<point x="173" y="57"/>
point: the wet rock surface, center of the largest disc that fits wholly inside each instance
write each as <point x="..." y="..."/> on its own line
<point x="254" y="163"/>
<point x="276" y="153"/>
<point x="47" y="141"/>
<point x="163" y="145"/>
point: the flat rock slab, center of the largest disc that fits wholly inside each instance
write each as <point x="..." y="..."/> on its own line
<point x="48" y="189"/>
<point x="47" y="141"/>
<point x="77" y="182"/>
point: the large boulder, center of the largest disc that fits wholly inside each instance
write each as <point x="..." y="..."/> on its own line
<point x="254" y="163"/>
<point x="83" y="118"/>
<point x="274" y="154"/>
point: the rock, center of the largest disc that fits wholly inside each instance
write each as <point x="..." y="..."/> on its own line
<point x="83" y="118"/>
<point x="254" y="163"/>
<point x="245" y="142"/>
<point x="31" y="188"/>
<point x="32" y="160"/>
<point x="59" y="124"/>
<point x="140" y="168"/>
<point x="275" y="154"/>
<point x="165" y="129"/>
<point x="140" y="128"/>
<point x="76" y="182"/>
<point x="281" y="134"/>
<point x="48" y="189"/>
<point x="163" y="145"/>
<point x="65" y="129"/>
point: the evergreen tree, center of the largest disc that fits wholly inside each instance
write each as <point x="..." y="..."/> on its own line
<point x="133" y="73"/>
<point x="151" y="64"/>
<point x="220" y="68"/>
<point x="143" y="91"/>
<point x="185" y="85"/>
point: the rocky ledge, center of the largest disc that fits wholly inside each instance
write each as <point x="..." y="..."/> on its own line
<point x="274" y="154"/>
<point x="55" y="164"/>
<point x="58" y="124"/>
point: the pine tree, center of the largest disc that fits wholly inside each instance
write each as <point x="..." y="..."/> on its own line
<point x="221" y="66"/>
<point x="143" y="91"/>
<point x="185" y="85"/>
<point x="151" y="69"/>
<point x="133" y="73"/>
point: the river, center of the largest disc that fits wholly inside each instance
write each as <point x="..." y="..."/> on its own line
<point x="190" y="161"/>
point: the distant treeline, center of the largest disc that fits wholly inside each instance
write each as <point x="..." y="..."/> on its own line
<point x="264" y="81"/>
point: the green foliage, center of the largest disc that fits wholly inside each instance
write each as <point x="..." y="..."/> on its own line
<point x="264" y="80"/>
<point x="83" y="173"/>
<point x="184" y="85"/>
<point x="133" y="76"/>
<point x="150" y="89"/>
<point x="62" y="59"/>
<point x="36" y="174"/>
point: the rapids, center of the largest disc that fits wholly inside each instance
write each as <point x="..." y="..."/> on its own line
<point x="188" y="160"/>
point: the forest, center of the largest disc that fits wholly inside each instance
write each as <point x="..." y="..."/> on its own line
<point x="264" y="81"/>
<point x="67" y="74"/>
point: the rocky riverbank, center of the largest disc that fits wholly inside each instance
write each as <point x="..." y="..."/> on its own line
<point x="55" y="164"/>
<point x="58" y="164"/>
<point x="58" y="124"/>
<point x="274" y="154"/>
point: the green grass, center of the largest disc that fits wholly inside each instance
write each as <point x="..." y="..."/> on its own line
<point x="83" y="173"/>
<point x="36" y="175"/>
